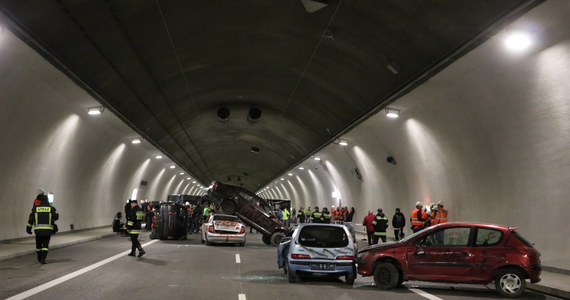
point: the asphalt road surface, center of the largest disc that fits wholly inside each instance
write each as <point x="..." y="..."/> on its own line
<point x="188" y="269"/>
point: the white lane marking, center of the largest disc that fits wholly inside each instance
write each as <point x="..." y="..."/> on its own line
<point x="425" y="294"/>
<point x="69" y="276"/>
<point x="238" y="259"/>
<point x="241" y="297"/>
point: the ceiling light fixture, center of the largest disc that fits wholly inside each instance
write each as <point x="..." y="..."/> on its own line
<point x="181" y="173"/>
<point x="392" y="113"/>
<point x="173" y="166"/>
<point x="301" y="168"/>
<point x="317" y="158"/>
<point x="136" y="140"/>
<point x="342" y="142"/>
<point x="282" y="178"/>
<point x="290" y="174"/>
<point x="158" y="156"/>
<point x="518" y="41"/>
<point x="95" y="110"/>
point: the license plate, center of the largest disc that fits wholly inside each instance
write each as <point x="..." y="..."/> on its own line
<point x="323" y="266"/>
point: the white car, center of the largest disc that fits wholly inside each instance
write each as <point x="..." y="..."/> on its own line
<point x="223" y="229"/>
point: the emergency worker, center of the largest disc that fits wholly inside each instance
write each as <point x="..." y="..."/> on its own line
<point x="317" y="216"/>
<point x="301" y="215"/>
<point x="380" y="224"/>
<point x="418" y="218"/>
<point x="134" y="223"/>
<point x="440" y="215"/>
<point x="42" y="219"/>
<point x="308" y="214"/>
<point x="326" y="215"/>
<point x="285" y="214"/>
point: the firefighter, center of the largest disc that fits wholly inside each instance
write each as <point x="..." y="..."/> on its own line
<point x="380" y="224"/>
<point x="42" y="219"/>
<point x="418" y="218"/>
<point x="326" y="215"/>
<point x="317" y="216"/>
<point x="134" y="223"/>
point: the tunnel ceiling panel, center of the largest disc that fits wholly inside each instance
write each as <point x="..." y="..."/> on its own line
<point x="168" y="67"/>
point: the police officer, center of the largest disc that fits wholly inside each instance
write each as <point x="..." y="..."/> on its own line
<point x="317" y="216"/>
<point x="380" y="224"/>
<point x="42" y="219"/>
<point x="134" y="222"/>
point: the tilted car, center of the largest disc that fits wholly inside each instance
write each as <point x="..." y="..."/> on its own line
<point x="253" y="210"/>
<point x="223" y="229"/>
<point x="456" y="253"/>
<point x="318" y="249"/>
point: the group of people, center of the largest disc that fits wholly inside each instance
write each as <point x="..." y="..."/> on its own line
<point x="421" y="217"/>
<point x="323" y="216"/>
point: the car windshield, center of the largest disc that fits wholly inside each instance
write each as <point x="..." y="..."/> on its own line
<point x="226" y="218"/>
<point x="323" y="237"/>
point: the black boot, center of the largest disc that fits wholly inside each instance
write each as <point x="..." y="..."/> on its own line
<point x="132" y="253"/>
<point x="141" y="251"/>
<point x="39" y="253"/>
<point x="43" y="256"/>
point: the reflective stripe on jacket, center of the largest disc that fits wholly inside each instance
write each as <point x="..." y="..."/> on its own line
<point x="440" y="216"/>
<point x="414" y="218"/>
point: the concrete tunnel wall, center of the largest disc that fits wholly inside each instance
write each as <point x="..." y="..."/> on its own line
<point x="49" y="141"/>
<point x="489" y="136"/>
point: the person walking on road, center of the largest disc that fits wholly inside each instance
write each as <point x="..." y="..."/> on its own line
<point x="42" y="220"/>
<point x="134" y="224"/>
<point x="380" y="224"/>
<point x="399" y="223"/>
<point x="367" y="222"/>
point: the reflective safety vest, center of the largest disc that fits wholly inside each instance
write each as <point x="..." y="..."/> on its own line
<point x="317" y="217"/>
<point x="285" y="214"/>
<point x="414" y="217"/>
<point x="134" y="220"/>
<point x="42" y="219"/>
<point x="440" y="216"/>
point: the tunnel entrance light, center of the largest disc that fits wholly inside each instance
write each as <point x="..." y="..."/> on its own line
<point x="392" y="113"/>
<point x="95" y="110"/>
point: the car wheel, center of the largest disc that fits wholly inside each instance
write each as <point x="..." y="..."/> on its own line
<point x="266" y="239"/>
<point x="386" y="276"/>
<point x="241" y="244"/>
<point x="510" y="282"/>
<point x="291" y="276"/>
<point x="349" y="279"/>
<point x="276" y="238"/>
<point x="228" y="207"/>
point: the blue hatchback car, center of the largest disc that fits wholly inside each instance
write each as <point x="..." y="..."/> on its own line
<point x="317" y="248"/>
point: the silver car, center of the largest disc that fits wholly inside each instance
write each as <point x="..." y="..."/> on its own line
<point x="223" y="229"/>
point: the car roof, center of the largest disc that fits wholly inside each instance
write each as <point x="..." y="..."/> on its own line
<point x="222" y="215"/>
<point x="475" y="224"/>
<point x="319" y="224"/>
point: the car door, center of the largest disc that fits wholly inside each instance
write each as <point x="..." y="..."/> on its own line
<point x="489" y="252"/>
<point x="442" y="255"/>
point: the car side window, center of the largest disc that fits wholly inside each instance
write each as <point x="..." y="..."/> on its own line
<point x="456" y="236"/>
<point x="487" y="237"/>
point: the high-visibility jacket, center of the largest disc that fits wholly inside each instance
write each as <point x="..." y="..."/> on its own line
<point x="440" y="216"/>
<point x="327" y="217"/>
<point x="134" y="220"/>
<point x="380" y="224"/>
<point x="42" y="219"/>
<point x="317" y="217"/>
<point x="285" y="215"/>
<point x="418" y="222"/>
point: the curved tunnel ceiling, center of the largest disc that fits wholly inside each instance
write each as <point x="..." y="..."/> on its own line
<point x="166" y="67"/>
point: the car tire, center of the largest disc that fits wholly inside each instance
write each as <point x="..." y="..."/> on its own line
<point x="228" y="207"/>
<point x="266" y="239"/>
<point x="349" y="279"/>
<point x="291" y="276"/>
<point x="276" y="238"/>
<point x="386" y="276"/>
<point x="510" y="282"/>
<point x="241" y="244"/>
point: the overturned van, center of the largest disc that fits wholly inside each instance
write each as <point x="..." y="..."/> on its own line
<point x="250" y="208"/>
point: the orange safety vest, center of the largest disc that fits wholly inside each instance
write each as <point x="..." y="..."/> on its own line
<point x="414" y="218"/>
<point x="441" y="216"/>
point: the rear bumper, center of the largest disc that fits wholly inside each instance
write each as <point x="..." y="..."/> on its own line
<point x="342" y="267"/>
<point x="225" y="238"/>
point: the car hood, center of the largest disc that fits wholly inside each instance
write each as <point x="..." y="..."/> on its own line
<point x="381" y="247"/>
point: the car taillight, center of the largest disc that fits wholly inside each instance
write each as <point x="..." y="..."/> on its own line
<point x="345" y="257"/>
<point x="242" y="230"/>
<point x="300" y="256"/>
<point x="211" y="229"/>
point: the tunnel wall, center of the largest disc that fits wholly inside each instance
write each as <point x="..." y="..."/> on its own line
<point x="489" y="136"/>
<point x="49" y="141"/>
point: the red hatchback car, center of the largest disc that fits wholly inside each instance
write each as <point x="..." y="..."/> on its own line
<point x="458" y="253"/>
